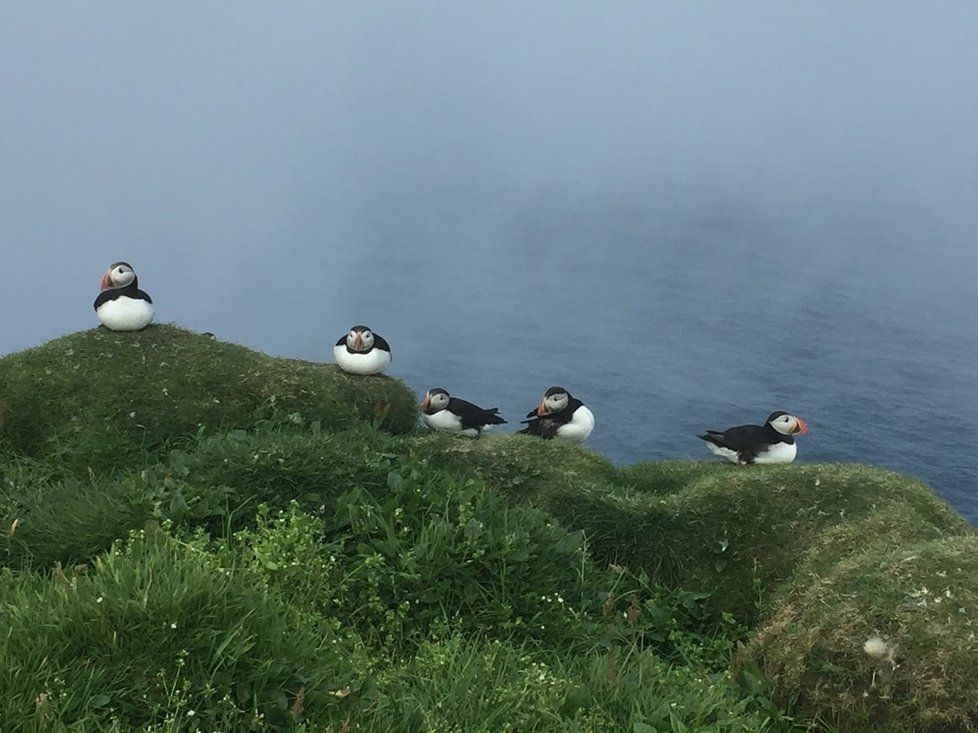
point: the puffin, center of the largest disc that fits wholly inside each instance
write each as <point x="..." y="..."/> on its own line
<point x="559" y="415"/>
<point x="361" y="351"/>
<point x="122" y="306"/>
<point x="441" y="411"/>
<point x="772" y="442"/>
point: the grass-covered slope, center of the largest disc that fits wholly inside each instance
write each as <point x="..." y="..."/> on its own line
<point x="818" y="558"/>
<point x="194" y="534"/>
<point x="108" y="393"/>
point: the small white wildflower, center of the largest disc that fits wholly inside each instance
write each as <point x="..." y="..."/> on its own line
<point x="875" y="647"/>
<point x="173" y="625"/>
<point x="99" y="599"/>
<point x="191" y="713"/>
<point x="132" y="414"/>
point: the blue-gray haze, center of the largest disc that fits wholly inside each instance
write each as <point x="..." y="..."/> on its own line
<point x="689" y="214"/>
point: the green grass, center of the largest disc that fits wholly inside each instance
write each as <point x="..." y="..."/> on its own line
<point x="154" y="633"/>
<point x="498" y="687"/>
<point x="190" y="525"/>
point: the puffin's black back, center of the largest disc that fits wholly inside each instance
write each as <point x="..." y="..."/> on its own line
<point x="473" y="416"/>
<point x="747" y="438"/>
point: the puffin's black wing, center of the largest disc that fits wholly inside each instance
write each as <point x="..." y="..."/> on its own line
<point x="381" y="343"/>
<point x="341" y="341"/>
<point x="740" y="438"/>
<point x="143" y="295"/>
<point x="104" y="297"/>
<point x="542" y="426"/>
<point x="473" y="416"/>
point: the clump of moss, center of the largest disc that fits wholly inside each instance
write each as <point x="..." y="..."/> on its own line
<point x="884" y="639"/>
<point x="108" y="394"/>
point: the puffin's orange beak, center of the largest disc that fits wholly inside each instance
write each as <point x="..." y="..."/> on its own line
<point x="802" y="427"/>
<point x="425" y="402"/>
<point x="106" y="282"/>
<point x="357" y="342"/>
<point x="541" y="409"/>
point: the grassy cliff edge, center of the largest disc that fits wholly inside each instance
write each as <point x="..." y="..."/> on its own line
<point x="857" y="585"/>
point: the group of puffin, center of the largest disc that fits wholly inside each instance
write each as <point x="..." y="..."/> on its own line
<point x="122" y="306"/>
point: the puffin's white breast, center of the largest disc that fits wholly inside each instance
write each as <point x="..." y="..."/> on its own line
<point x="125" y="314"/>
<point x="448" y="422"/>
<point x="778" y="453"/>
<point x="373" y="362"/>
<point x="579" y="427"/>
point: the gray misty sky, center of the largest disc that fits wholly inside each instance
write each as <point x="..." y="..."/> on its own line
<point x="255" y="161"/>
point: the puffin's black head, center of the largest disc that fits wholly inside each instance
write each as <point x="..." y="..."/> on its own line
<point x="435" y="400"/>
<point x="787" y="424"/>
<point x="360" y="338"/>
<point x="119" y="275"/>
<point x="554" y="399"/>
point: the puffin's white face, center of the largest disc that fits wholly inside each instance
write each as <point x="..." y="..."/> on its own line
<point x="788" y="424"/>
<point x="554" y="400"/>
<point x="360" y="339"/>
<point x="435" y="400"/>
<point x="117" y="276"/>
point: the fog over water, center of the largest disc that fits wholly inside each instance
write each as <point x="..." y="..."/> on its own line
<point x="689" y="215"/>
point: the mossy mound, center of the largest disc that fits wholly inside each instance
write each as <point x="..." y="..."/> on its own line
<point x="918" y="602"/>
<point x="108" y="393"/>
<point x="736" y="532"/>
<point x="741" y="530"/>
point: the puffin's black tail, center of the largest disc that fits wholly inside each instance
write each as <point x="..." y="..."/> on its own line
<point x="711" y="436"/>
<point x="492" y="417"/>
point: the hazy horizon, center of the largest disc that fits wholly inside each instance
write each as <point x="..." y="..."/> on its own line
<point x="235" y="152"/>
